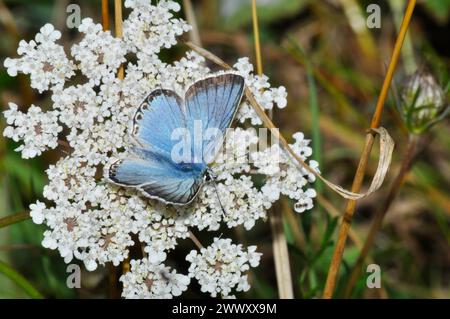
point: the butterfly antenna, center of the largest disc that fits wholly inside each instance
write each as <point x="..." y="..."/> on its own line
<point x="218" y="197"/>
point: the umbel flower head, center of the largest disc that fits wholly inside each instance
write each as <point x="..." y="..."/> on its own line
<point x="93" y="221"/>
<point x="423" y="101"/>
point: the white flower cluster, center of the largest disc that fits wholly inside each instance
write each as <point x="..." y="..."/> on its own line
<point x="96" y="222"/>
<point x="219" y="268"/>
<point x="38" y="130"/>
<point x="284" y="177"/>
<point x="146" y="28"/>
<point x="148" y="280"/>
<point x="43" y="59"/>
<point x="99" y="54"/>
<point x="266" y="96"/>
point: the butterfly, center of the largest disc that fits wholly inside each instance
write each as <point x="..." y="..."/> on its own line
<point x="154" y="165"/>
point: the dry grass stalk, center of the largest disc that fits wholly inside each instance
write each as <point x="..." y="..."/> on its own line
<point x="281" y="255"/>
<point x="194" y="34"/>
<point x="359" y="176"/>
<point x="259" y="68"/>
<point x="105" y="15"/>
<point x="378" y="220"/>
<point x="279" y="242"/>
<point x="118" y="20"/>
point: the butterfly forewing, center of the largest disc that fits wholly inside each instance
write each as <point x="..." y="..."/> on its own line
<point x="212" y="104"/>
<point x="157" y="117"/>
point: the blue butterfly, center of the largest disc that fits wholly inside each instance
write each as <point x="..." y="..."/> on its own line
<point x="154" y="166"/>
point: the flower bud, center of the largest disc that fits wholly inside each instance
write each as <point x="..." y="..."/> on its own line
<point x="423" y="101"/>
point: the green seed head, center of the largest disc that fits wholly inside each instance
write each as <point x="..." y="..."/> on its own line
<point x="423" y="101"/>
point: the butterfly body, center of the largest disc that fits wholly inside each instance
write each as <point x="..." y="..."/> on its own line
<point x="170" y="160"/>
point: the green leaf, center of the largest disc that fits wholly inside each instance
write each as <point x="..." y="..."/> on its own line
<point x="439" y="8"/>
<point x="238" y="13"/>
<point x="20" y="281"/>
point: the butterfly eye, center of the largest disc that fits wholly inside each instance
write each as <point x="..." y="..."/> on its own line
<point x="209" y="176"/>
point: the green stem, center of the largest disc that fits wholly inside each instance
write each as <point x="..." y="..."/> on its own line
<point x="20" y="280"/>
<point x="12" y="219"/>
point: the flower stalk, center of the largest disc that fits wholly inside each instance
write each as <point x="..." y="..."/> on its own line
<point x="12" y="219"/>
<point x="279" y="242"/>
<point x="195" y="240"/>
<point x="281" y="255"/>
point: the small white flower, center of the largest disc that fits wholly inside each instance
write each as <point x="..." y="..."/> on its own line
<point x="99" y="54"/>
<point x="148" y="280"/>
<point x="43" y="59"/>
<point x="279" y="96"/>
<point x="149" y="28"/>
<point x="160" y="228"/>
<point x="78" y="106"/>
<point x="37" y="212"/>
<point x="305" y="200"/>
<point x="263" y="93"/>
<point x="220" y="267"/>
<point x="36" y="129"/>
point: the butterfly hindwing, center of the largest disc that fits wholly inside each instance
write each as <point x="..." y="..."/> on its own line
<point x="156" y="176"/>
<point x="173" y="191"/>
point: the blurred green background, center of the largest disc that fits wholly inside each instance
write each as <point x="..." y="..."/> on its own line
<point x="333" y="82"/>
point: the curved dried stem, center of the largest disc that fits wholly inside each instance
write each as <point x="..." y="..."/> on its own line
<point x="359" y="176"/>
<point x="378" y="219"/>
<point x="386" y="142"/>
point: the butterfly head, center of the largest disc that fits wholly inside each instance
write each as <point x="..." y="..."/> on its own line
<point x="209" y="176"/>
